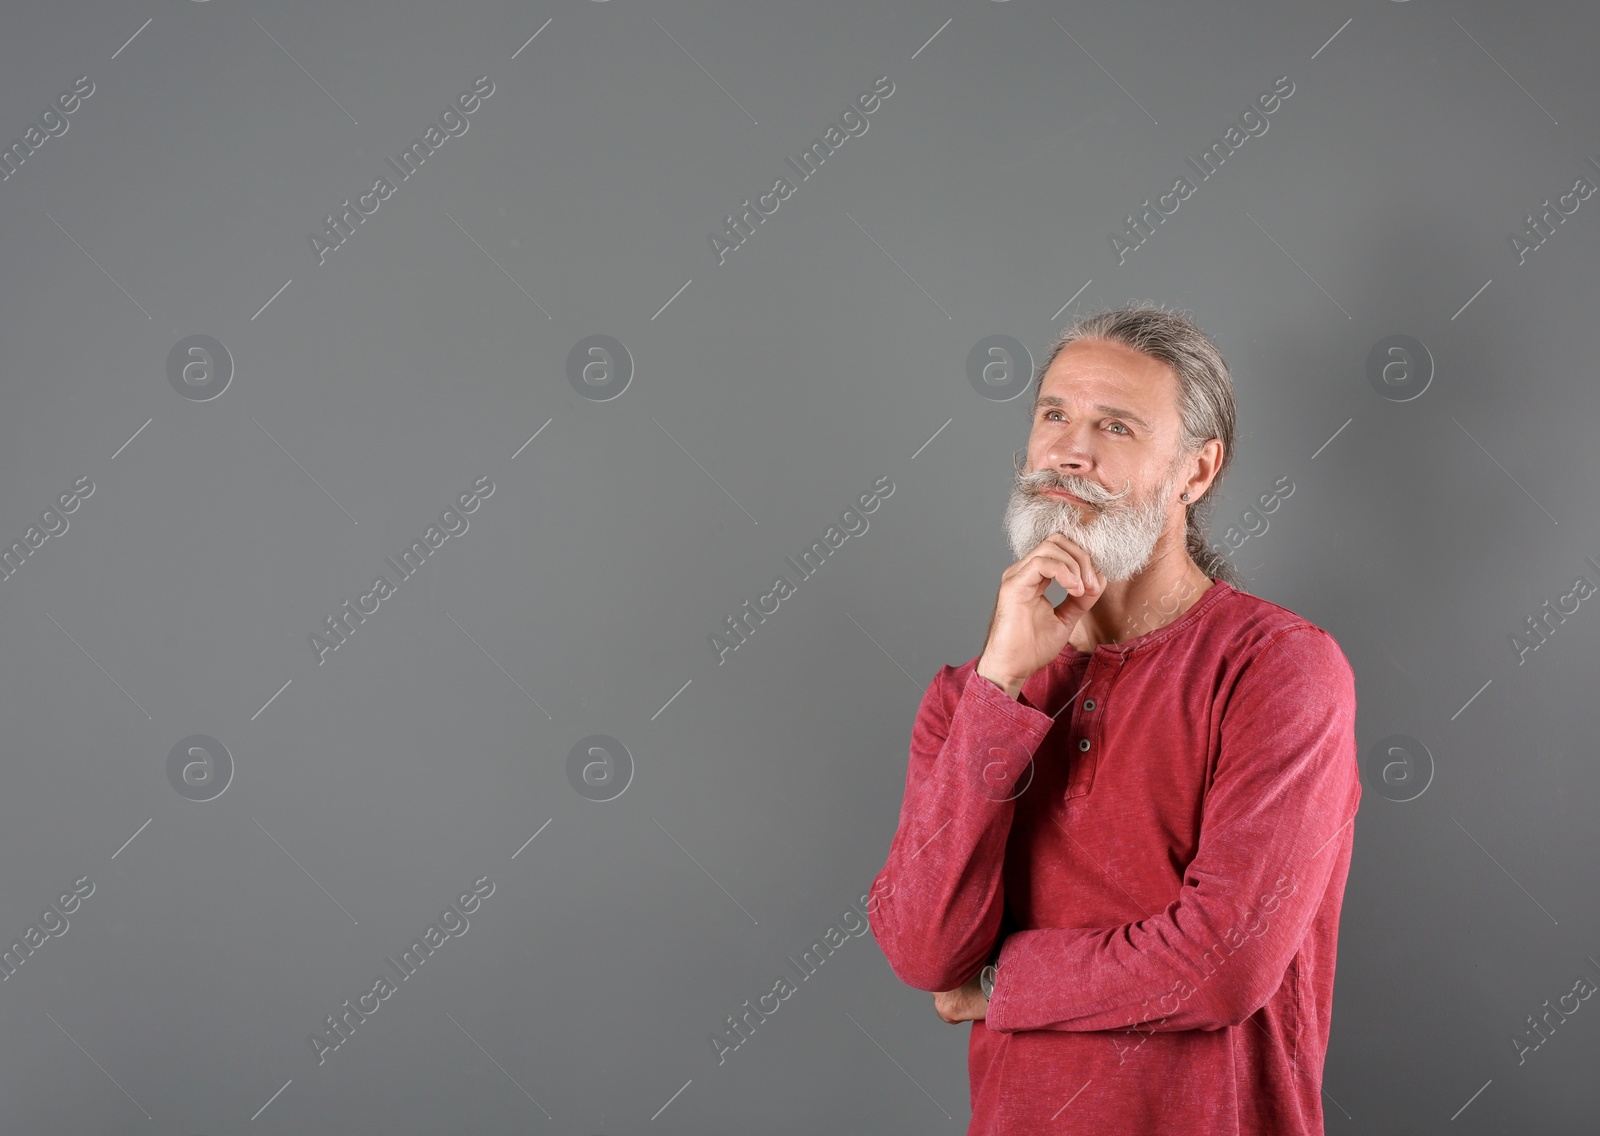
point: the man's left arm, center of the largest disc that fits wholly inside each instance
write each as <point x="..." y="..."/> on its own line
<point x="1273" y="824"/>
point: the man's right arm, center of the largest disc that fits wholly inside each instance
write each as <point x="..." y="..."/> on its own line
<point x="1011" y="687"/>
<point x="941" y="894"/>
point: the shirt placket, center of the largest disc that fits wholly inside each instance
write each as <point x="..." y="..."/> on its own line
<point x="1084" y="740"/>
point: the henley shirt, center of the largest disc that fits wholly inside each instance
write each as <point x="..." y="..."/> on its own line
<point x="1152" y="843"/>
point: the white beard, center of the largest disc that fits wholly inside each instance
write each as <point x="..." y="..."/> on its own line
<point x="1119" y="539"/>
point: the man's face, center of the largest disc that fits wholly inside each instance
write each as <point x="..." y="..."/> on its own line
<point x="1105" y="430"/>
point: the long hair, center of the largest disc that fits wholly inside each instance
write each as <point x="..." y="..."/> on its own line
<point x="1205" y="399"/>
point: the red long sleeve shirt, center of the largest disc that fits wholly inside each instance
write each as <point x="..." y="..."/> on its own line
<point x="1155" y="837"/>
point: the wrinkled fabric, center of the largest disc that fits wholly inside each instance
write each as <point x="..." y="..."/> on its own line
<point x="1153" y="842"/>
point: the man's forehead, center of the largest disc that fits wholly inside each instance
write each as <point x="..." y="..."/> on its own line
<point x="1105" y="360"/>
<point x="1137" y="390"/>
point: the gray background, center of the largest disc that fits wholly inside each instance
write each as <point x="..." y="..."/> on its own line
<point x="768" y="393"/>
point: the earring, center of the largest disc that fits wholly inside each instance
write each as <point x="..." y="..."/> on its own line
<point x="1185" y="497"/>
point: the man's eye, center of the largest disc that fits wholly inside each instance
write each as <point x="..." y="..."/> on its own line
<point x="1048" y="413"/>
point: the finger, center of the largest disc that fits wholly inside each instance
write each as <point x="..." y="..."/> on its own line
<point x="1041" y="568"/>
<point x="1065" y="609"/>
<point x="1050" y="564"/>
<point x="1094" y="582"/>
<point x="1079" y="557"/>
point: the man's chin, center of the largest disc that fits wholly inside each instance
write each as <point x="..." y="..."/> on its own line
<point x="1065" y="521"/>
<point x="1074" y="533"/>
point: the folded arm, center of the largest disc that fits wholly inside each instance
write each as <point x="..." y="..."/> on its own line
<point x="1275" y="821"/>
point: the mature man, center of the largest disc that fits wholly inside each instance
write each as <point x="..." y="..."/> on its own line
<point x="1127" y="824"/>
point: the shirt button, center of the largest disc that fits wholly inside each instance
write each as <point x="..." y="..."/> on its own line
<point x="1088" y="704"/>
<point x="1083" y="743"/>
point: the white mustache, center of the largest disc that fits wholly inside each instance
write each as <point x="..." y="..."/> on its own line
<point x="1085" y="491"/>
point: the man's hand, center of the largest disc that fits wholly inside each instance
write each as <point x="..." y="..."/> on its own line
<point x="963" y="1004"/>
<point x="1026" y="630"/>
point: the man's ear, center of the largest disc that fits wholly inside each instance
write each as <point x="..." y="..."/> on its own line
<point x="1203" y="466"/>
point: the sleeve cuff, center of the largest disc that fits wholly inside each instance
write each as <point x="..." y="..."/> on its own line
<point x="1004" y="735"/>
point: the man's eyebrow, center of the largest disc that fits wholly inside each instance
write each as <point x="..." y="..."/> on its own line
<point x="1116" y="411"/>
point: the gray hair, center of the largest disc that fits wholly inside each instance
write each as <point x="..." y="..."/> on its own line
<point x="1205" y="399"/>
